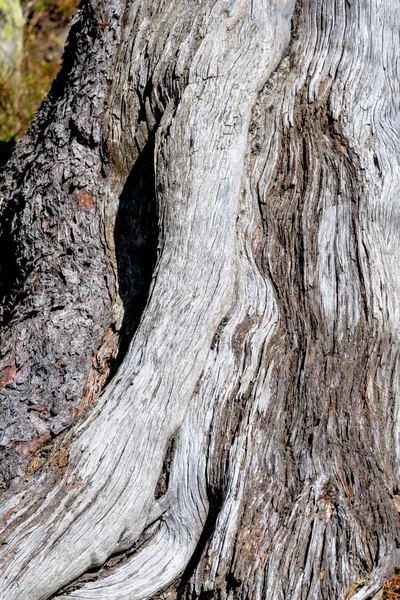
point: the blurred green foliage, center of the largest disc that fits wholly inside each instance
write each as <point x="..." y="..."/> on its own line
<point x="22" y="93"/>
<point x="11" y="24"/>
<point x="66" y="8"/>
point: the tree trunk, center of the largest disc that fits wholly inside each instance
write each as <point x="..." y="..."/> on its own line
<point x="200" y="332"/>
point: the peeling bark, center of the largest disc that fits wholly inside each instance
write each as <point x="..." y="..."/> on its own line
<point x="199" y="373"/>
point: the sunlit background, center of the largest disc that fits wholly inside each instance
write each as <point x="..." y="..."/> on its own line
<point x="32" y="38"/>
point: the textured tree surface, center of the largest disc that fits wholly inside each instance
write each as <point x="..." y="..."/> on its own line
<point x="201" y="307"/>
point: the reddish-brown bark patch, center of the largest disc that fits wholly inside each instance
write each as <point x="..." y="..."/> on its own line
<point x="8" y="374"/>
<point x="84" y="199"/>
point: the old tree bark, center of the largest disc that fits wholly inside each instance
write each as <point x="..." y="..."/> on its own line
<point x="200" y="329"/>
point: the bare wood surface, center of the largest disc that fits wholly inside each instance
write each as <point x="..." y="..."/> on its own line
<point x="247" y="447"/>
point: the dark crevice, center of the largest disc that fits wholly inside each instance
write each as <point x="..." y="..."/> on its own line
<point x="6" y="149"/>
<point x="163" y="481"/>
<point x="136" y="238"/>
<point x="216" y="498"/>
<point x="10" y="271"/>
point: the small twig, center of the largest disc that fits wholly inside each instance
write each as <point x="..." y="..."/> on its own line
<point x="378" y="387"/>
<point x="348" y="489"/>
<point x="335" y="412"/>
<point x="356" y="586"/>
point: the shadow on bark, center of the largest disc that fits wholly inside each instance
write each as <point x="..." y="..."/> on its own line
<point x="136" y="237"/>
<point x="6" y="149"/>
<point x="216" y="499"/>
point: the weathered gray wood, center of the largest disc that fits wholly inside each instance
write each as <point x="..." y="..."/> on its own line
<point x="249" y="442"/>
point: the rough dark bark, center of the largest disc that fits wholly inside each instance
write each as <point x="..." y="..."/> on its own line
<point x="200" y="373"/>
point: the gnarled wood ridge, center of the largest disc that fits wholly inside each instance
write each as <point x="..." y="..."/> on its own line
<point x="200" y="331"/>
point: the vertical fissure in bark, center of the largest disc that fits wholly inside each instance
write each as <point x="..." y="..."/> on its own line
<point x="163" y="482"/>
<point x="136" y="238"/>
<point x="8" y="268"/>
<point x="215" y="497"/>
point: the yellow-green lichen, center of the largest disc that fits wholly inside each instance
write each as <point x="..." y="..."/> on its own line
<point x="11" y="33"/>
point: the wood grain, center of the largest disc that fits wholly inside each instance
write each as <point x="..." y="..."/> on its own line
<point x="248" y="446"/>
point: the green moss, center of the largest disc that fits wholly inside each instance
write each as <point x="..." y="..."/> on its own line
<point x="40" y="6"/>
